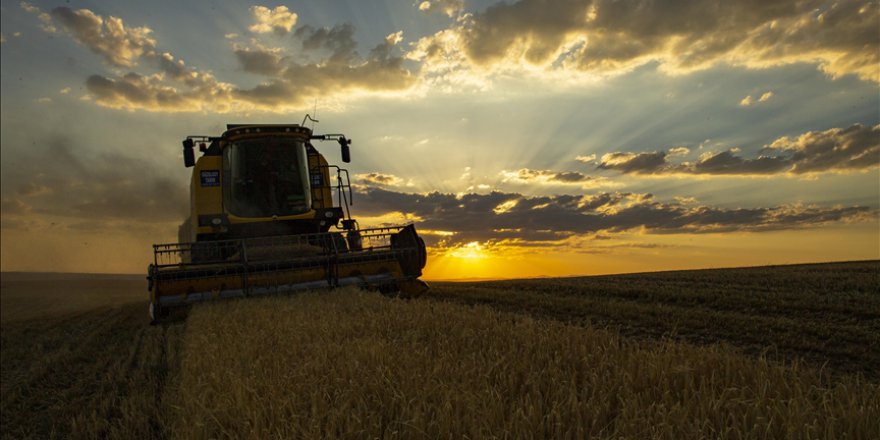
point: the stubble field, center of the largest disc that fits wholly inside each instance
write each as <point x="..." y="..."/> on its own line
<point x="781" y="352"/>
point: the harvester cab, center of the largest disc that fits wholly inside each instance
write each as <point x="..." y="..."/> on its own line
<point x="264" y="219"/>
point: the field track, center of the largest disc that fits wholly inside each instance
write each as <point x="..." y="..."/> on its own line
<point x="825" y="314"/>
<point x="98" y="373"/>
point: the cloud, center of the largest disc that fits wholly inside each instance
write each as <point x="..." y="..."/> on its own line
<point x="379" y="179"/>
<point x="279" y="20"/>
<point x="135" y="91"/>
<point x="394" y="38"/>
<point x="525" y="175"/>
<point x="614" y="36"/>
<point x="838" y="149"/>
<point x="260" y="61"/>
<point x="640" y="163"/>
<point x="748" y="100"/>
<point x="586" y="159"/>
<point x="678" y="151"/>
<point x="854" y="148"/>
<point x="47" y="24"/>
<point x="448" y="7"/>
<point x="339" y="69"/>
<point x="338" y="41"/>
<point x="329" y="66"/>
<point x="543" y="219"/>
<point x="107" y="37"/>
<point x="61" y="179"/>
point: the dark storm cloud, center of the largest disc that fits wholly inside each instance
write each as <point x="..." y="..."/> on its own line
<point x="609" y="35"/>
<point x="499" y="215"/>
<point x="60" y="179"/>
<point x="854" y="148"/>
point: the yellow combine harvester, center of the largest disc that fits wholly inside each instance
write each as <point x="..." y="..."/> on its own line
<point x="262" y="207"/>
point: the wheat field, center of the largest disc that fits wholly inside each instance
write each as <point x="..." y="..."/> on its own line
<point x="783" y="352"/>
<point x="358" y="365"/>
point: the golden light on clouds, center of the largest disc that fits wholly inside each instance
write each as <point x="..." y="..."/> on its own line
<point x="468" y="251"/>
<point x="593" y="136"/>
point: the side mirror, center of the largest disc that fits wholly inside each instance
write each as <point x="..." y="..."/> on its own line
<point x="189" y="157"/>
<point x="346" y="153"/>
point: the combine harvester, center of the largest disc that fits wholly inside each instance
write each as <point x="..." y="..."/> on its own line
<point x="261" y="209"/>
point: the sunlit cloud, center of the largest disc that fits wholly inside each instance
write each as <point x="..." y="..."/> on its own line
<point x="505" y="206"/>
<point x="612" y="37"/>
<point x="279" y="20"/>
<point x="448" y="7"/>
<point x="539" y="219"/>
<point x="526" y="176"/>
<point x="855" y="148"/>
<point x="472" y="250"/>
<point x="570" y="42"/>
<point x="45" y="19"/>
<point x="748" y="101"/>
<point x="107" y="37"/>
<point x="331" y="66"/>
<point x="382" y="179"/>
<point x="678" y="151"/>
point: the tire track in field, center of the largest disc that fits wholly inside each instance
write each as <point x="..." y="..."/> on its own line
<point x="96" y="374"/>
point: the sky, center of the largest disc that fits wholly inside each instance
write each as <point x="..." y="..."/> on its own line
<point x="523" y="138"/>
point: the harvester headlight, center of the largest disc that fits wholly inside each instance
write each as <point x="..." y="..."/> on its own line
<point x="328" y="214"/>
<point x="216" y="221"/>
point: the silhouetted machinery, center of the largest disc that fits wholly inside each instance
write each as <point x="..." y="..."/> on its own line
<point x="262" y="209"/>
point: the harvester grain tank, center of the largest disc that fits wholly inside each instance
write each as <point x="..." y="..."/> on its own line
<point x="264" y="219"/>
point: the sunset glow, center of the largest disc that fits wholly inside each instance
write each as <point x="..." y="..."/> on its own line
<point x="521" y="139"/>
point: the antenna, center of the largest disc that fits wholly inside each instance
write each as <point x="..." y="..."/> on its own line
<point x="315" y="113"/>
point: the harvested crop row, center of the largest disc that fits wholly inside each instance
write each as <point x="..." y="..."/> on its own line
<point x="825" y="314"/>
<point x="354" y="364"/>
<point x="95" y="374"/>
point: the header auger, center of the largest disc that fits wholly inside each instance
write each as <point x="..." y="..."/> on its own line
<point x="261" y="211"/>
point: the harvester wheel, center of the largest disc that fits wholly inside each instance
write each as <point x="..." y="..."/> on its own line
<point x="157" y="313"/>
<point x="153" y="314"/>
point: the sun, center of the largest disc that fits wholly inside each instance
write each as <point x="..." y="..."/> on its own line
<point x="472" y="251"/>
